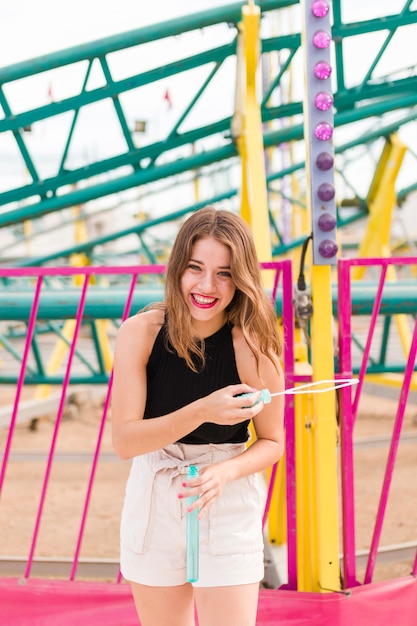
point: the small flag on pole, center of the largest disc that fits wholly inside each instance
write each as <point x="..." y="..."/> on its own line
<point x="50" y="93"/>
<point x="167" y="98"/>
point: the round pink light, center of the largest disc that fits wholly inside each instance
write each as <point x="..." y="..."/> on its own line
<point x="323" y="131"/>
<point x="320" y="8"/>
<point x="322" y="39"/>
<point x="322" y="70"/>
<point x="323" y="101"/>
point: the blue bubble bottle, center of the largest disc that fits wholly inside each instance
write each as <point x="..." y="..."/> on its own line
<point x="192" y="533"/>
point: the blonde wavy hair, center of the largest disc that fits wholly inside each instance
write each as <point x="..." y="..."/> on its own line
<point x="250" y="308"/>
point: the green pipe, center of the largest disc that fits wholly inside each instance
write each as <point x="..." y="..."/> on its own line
<point x="227" y="14"/>
<point x="272" y="138"/>
<point x="38" y="379"/>
<point x="56" y="329"/>
<point x="390" y="22"/>
<point x="87" y="247"/>
<point x="8" y="346"/>
<point x="151" y="152"/>
<point x="80" y="196"/>
<point x="102" y="379"/>
<point x="118" y="107"/>
<point x="108" y="303"/>
<point x="19" y="139"/>
<point x="37" y="353"/>
<point x="73" y="124"/>
<point x="97" y="345"/>
<point x="60" y="304"/>
<point x="397" y="368"/>
<point x="384" y="340"/>
<point x="135" y="179"/>
<point x="112" y="90"/>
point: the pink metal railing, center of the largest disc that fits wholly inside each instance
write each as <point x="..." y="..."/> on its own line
<point x="349" y="411"/>
<point x="86" y="273"/>
<point x="348" y="398"/>
<point x="283" y="281"/>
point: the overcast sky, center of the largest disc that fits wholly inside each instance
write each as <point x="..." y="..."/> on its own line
<point x="31" y="28"/>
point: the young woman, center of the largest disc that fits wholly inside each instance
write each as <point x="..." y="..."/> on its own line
<point x="180" y="367"/>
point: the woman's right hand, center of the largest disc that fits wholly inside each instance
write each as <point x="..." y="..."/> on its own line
<point x="226" y="408"/>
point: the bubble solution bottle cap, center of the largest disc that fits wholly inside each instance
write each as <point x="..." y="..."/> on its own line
<point x="265" y="396"/>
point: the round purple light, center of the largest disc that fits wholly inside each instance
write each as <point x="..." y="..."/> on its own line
<point x="328" y="248"/>
<point x="323" y="101"/>
<point x="323" y="131"/>
<point x="324" y="161"/>
<point x="326" y="222"/>
<point x="320" y="8"/>
<point x="322" y="70"/>
<point x="326" y="192"/>
<point x="321" y="39"/>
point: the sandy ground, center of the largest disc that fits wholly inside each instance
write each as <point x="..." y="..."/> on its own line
<point x="66" y="493"/>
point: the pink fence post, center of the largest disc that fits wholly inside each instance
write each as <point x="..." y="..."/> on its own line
<point x="126" y="312"/>
<point x="346" y="426"/>
<point x="22" y="373"/>
<point x="57" y="424"/>
<point x="374" y="318"/>
<point x="409" y="370"/>
<point x="275" y="466"/>
<point x="285" y="267"/>
<point x="288" y="325"/>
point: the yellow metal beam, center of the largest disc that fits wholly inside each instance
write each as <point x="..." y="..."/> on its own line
<point x="325" y="556"/>
<point x="381" y="201"/>
<point x="277" y="516"/>
<point x="61" y="346"/>
<point x="247" y="130"/>
<point x="305" y="498"/>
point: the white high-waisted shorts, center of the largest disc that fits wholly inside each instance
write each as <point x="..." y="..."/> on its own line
<point x="153" y="524"/>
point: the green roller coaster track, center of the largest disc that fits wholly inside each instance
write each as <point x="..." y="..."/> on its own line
<point x="373" y="99"/>
<point x="369" y="106"/>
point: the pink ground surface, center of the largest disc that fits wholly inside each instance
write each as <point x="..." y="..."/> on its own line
<point x="63" y="603"/>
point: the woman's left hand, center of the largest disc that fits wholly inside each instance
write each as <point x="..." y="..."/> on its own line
<point x="208" y="485"/>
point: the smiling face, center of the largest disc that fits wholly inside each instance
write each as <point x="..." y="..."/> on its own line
<point x="207" y="286"/>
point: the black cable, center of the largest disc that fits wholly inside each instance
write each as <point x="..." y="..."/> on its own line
<point x="301" y="283"/>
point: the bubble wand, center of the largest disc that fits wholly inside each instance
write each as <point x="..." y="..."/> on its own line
<point x="192" y="536"/>
<point x="266" y="396"/>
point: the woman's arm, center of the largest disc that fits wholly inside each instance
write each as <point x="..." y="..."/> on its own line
<point x="268" y="446"/>
<point x="269" y="427"/>
<point x="132" y="435"/>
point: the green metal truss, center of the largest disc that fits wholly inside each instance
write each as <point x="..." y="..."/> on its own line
<point x="390" y="101"/>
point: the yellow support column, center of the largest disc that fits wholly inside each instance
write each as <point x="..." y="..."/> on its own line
<point x="248" y="134"/>
<point x="325" y="556"/>
<point x="381" y="201"/>
<point x="61" y="347"/>
<point x="305" y="499"/>
<point x="247" y="129"/>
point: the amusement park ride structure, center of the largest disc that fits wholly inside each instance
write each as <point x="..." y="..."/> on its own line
<point x="325" y="294"/>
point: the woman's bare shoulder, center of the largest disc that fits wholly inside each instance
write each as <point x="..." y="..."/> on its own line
<point x="248" y="369"/>
<point x="142" y="327"/>
<point x="148" y="318"/>
<point x="245" y="359"/>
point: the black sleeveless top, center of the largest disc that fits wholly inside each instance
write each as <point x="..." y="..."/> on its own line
<point x="171" y="384"/>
